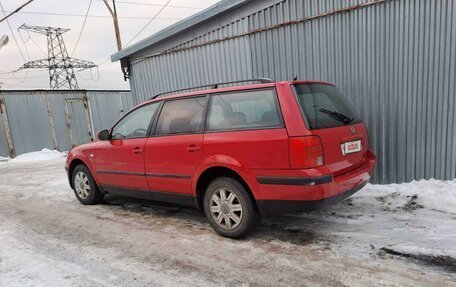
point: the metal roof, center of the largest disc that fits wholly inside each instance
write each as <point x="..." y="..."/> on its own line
<point x="60" y="91"/>
<point x="183" y="25"/>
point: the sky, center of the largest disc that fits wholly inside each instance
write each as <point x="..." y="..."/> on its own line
<point x="97" y="41"/>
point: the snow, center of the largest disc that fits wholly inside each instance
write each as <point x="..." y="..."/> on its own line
<point x="48" y="239"/>
<point x="37" y="156"/>
<point x="433" y="194"/>
<point x="417" y="217"/>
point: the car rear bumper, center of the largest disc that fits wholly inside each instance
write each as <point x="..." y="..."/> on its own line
<point x="291" y="194"/>
<point x="277" y="207"/>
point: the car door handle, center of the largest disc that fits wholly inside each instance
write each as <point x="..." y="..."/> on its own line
<point x="193" y="148"/>
<point x="137" y="150"/>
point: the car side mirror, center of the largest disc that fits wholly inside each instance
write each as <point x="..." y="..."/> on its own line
<point x="103" y="135"/>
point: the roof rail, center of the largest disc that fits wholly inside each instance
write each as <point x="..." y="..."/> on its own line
<point x="214" y="86"/>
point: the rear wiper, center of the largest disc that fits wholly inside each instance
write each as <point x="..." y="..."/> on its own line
<point x="338" y="116"/>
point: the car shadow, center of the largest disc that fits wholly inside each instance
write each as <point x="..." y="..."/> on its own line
<point x="282" y="228"/>
<point x="149" y="209"/>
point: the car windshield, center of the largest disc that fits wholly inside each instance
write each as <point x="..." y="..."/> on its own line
<point x="323" y="106"/>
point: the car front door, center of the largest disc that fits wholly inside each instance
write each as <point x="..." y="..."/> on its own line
<point x="119" y="162"/>
<point x="175" y="150"/>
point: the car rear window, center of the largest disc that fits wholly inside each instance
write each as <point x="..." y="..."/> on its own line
<point x="243" y="110"/>
<point x="323" y="106"/>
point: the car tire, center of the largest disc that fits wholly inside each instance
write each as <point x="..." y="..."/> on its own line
<point x="230" y="209"/>
<point x="84" y="186"/>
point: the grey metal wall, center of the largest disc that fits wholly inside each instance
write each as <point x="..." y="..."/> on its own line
<point x="395" y="60"/>
<point x="57" y="106"/>
<point x="3" y="142"/>
<point x="107" y="107"/>
<point x="28" y="121"/>
<point x="207" y="64"/>
<point x="57" y="119"/>
<point x="4" y="149"/>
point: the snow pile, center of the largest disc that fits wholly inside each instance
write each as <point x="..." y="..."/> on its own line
<point x="430" y="194"/>
<point x="4" y="159"/>
<point x="43" y="155"/>
<point x="416" y="218"/>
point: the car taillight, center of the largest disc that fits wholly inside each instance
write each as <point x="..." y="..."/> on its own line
<point x="306" y="152"/>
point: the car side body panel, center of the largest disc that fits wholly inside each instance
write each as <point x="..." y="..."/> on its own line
<point x="290" y="111"/>
<point x="243" y="151"/>
<point x="85" y="154"/>
<point x="120" y="163"/>
<point x="221" y="161"/>
<point x="171" y="161"/>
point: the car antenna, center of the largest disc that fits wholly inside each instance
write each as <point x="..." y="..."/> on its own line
<point x="295" y="78"/>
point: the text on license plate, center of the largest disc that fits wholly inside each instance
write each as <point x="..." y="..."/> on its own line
<point x="351" y="147"/>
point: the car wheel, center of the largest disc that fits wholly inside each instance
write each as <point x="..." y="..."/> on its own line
<point x="230" y="209"/>
<point x="84" y="186"/>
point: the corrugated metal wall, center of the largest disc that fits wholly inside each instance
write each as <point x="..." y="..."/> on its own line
<point x="3" y="141"/>
<point x="58" y="119"/>
<point x="28" y="121"/>
<point x="57" y="106"/>
<point x="395" y="60"/>
<point x="207" y="64"/>
<point x="107" y="107"/>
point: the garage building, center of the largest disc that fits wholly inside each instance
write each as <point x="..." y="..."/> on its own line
<point x="395" y="60"/>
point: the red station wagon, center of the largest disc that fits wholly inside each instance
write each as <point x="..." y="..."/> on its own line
<point x="238" y="153"/>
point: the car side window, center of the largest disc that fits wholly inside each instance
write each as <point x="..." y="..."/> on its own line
<point x="135" y="124"/>
<point x="243" y="110"/>
<point x="181" y="116"/>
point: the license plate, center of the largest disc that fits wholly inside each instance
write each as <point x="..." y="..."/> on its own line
<point x="351" y="147"/>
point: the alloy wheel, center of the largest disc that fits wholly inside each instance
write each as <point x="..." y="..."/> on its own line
<point x="226" y="209"/>
<point x="82" y="185"/>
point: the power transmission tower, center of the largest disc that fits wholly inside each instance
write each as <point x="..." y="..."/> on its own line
<point x="60" y="65"/>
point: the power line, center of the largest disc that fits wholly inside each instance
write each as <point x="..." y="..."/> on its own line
<point x="25" y="45"/>
<point x="22" y="85"/>
<point x="92" y="78"/>
<point x="94" y="16"/>
<point x="148" y="23"/>
<point x="22" y="71"/>
<point x="104" y="62"/>
<point x="157" y="5"/>
<point x="15" y="11"/>
<point x="12" y="33"/>
<point x="23" y="80"/>
<point x="98" y="65"/>
<point x="82" y="29"/>
<point x="142" y="29"/>
<point x="29" y="77"/>
<point x="38" y="46"/>
<point x="15" y="84"/>
<point x="19" y="72"/>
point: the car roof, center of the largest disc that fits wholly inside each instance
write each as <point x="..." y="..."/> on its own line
<point x="230" y="89"/>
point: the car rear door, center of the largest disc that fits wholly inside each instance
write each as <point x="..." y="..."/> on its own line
<point x="119" y="162"/>
<point x="330" y="116"/>
<point x="345" y="147"/>
<point x="247" y="126"/>
<point x="175" y="150"/>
